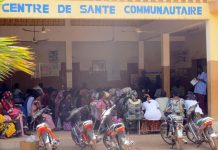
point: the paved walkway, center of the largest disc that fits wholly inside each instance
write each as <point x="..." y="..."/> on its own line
<point x="142" y="142"/>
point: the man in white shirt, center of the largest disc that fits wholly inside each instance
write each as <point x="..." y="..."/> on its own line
<point x="201" y="88"/>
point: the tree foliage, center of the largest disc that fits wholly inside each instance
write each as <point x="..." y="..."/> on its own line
<point x="14" y="58"/>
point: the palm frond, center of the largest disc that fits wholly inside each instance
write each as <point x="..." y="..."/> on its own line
<point x="14" y="58"/>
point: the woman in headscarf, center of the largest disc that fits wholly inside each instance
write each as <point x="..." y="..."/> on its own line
<point x="59" y="98"/>
<point x="103" y="103"/>
<point x="15" y="113"/>
<point x="65" y="108"/>
<point x="7" y="128"/>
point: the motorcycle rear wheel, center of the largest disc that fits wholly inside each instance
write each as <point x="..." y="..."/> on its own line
<point x="77" y="141"/>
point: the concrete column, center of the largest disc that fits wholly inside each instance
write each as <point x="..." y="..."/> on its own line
<point x="69" y="63"/>
<point x="212" y="65"/>
<point x="141" y="62"/>
<point x="165" y="56"/>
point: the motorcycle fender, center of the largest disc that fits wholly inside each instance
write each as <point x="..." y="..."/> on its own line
<point x="122" y="138"/>
<point x="45" y="137"/>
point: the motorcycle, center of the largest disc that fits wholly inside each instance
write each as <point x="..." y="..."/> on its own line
<point x="171" y="131"/>
<point x="48" y="140"/>
<point x="199" y="130"/>
<point x="82" y="132"/>
<point x="114" y="137"/>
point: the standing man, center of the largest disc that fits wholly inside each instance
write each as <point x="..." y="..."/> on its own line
<point x="201" y="88"/>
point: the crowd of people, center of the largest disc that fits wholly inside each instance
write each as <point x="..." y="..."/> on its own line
<point x="17" y="108"/>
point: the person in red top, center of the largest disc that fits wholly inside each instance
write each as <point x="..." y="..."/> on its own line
<point x="15" y="113"/>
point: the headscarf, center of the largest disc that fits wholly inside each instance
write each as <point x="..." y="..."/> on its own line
<point x="6" y="94"/>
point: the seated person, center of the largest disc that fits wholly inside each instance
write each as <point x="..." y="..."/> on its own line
<point x="36" y="106"/>
<point x="15" y="113"/>
<point x="7" y="127"/>
<point x="175" y="106"/>
<point x="190" y="101"/>
<point x="162" y="101"/>
<point x="102" y="104"/>
<point x="65" y="108"/>
<point x="133" y="106"/>
<point x="151" y="108"/>
<point x="18" y="94"/>
<point x="152" y="114"/>
<point x="178" y="88"/>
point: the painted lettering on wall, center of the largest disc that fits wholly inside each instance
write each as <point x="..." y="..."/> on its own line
<point x="25" y="8"/>
<point x="85" y="9"/>
<point x="167" y="10"/>
<point x="97" y="9"/>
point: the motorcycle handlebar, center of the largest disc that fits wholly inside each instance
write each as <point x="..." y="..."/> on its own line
<point x="192" y="109"/>
<point x="75" y="111"/>
<point x="39" y="113"/>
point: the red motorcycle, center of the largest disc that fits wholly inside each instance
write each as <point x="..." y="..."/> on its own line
<point x="82" y="131"/>
<point x="114" y="137"/>
<point x="48" y="140"/>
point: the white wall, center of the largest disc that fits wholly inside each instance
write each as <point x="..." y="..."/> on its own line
<point x="196" y="43"/>
<point x="119" y="53"/>
<point x="96" y="39"/>
<point x="42" y="49"/>
<point x="153" y="56"/>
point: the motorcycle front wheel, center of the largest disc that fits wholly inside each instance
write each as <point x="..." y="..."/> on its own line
<point x="166" y="134"/>
<point x="122" y="141"/>
<point x="109" y="143"/>
<point x="74" y="138"/>
<point x="46" y="141"/>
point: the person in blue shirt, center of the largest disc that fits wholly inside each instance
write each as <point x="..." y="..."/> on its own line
<point x="201" y="88"/>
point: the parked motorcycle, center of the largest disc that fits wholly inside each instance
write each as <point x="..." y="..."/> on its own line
<point x="114" y="137"/>
<point x="82" y="132"/>
<point x="48" y="140"/>
<point x="172" y="131"/>
<point x="199" y="130"/>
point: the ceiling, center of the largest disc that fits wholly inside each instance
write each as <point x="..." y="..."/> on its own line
<point x="76" y="22"/>
<point x="191" y="30"/>
<point x="126" y="29"/>
<point x="32" y="22"/>
<point x="134" y="23"/>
